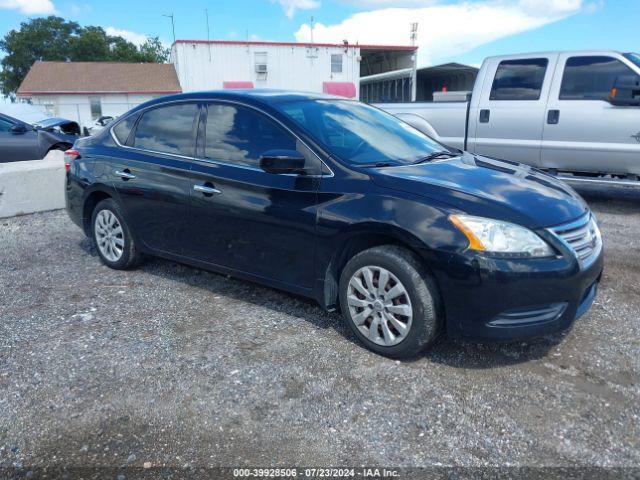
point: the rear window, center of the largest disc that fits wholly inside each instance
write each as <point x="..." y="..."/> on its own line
<point x="123" y="128"/>
<point x="168" y="129"/>
<point x="519" y="79"/>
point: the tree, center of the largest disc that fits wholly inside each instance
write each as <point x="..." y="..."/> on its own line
<point x="37" y="39"/>
<point x="153" y="51"/>
<point x="54" y="39"/>
<point x="91" y="45"/>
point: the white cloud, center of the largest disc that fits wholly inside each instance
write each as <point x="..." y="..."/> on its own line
<point x="546" y="7"/>
<point x="29" y="7"/>
<point x="290" y="6"/>
<point x="444" y="30"/>
<point x="133" y="37"/>
<point x="594" y="7"/>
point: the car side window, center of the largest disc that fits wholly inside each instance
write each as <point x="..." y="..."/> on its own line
<point x="240" y="135"/>
<point x="124" y="127"/>
<point x="519" y="79"/>
<point x="591" y="78"/>
<point x="168" y="129"/>
<point x="5" y="125"/>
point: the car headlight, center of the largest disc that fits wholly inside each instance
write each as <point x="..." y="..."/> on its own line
<point x="495" y="236"/>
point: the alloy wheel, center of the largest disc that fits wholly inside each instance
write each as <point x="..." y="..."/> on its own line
<point x="379" y="305"/>
<point x="109" y="235"/>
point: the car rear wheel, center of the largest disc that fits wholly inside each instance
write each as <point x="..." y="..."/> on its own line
<point x="112" y="236"/>
<point x="389" y="301"/>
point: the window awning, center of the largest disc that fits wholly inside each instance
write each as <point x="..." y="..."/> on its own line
<point x="238" y="84"/>
<point x="343" y="89"/>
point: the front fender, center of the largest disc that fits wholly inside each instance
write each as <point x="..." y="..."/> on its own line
<point x="347" y="226"/>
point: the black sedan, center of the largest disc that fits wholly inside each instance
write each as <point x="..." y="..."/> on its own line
<point x="341" y="202"/>
<point x="22" y="141"/>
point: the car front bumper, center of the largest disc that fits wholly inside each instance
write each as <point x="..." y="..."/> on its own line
<point x="492" y="299"/>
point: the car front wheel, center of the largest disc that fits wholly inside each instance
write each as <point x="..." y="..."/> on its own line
<point x="389" y="301"/>
<point x="112" y="236"/>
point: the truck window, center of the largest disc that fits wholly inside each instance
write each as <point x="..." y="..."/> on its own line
<point x="519" y="79"/>
<point x="591" y="78"/>
<point x="634" y="57"/>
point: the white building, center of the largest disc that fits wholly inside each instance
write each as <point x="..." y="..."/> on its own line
<point x="85" y="91"/>
<point x="314" y="67"/>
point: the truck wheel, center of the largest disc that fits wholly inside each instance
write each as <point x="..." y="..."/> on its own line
<point x="390" y="302"/>
<point x="112" y="236"/>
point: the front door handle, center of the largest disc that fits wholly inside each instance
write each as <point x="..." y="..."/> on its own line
<point x="484" y="116"/>
<point x="125" y="174"/>
<point x="553" y="117"/>
<point x="207" y="189"/>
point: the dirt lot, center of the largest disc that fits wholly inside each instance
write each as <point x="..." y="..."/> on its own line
<point x="172" y="366"/>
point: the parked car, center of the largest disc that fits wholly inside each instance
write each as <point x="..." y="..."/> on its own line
<point x="22" y="141"/>
<point x="98" y="125"/>
<point x="58" y="125"/>
<point x="575" y="114"/>
<point x="343" y="203"/>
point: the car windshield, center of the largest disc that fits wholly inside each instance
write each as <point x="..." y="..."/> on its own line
<point x="634" y="57"/>
<point x="360" y="134"/>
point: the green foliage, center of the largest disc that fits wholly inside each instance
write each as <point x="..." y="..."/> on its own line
<point x="154" y="51"/>
<point x="55" y="39"/>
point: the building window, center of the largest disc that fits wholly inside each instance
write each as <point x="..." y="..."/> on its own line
<point x="519" y="79"/>
<point x="96" y="107"/>
<point x="336" y="63"/>
<point x="261" y="65"/>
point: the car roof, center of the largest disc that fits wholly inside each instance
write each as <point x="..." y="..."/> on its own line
<point x="258" y="96"/>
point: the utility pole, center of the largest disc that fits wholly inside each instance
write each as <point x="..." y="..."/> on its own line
<point x="173" y="26"/>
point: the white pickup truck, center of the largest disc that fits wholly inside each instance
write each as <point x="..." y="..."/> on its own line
<point x="574" y="114"/>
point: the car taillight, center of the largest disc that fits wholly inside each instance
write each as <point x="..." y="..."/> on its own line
<point x="70" y="156"/>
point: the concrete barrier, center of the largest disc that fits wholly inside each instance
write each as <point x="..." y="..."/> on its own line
<point x="32" y="186"/>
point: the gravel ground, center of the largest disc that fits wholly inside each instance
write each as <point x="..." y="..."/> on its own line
<point x="171" y="366"/>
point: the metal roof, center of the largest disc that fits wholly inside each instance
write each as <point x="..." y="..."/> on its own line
<point x="299" y="44"/>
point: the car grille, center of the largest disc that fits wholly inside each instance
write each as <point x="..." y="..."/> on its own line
<point x="582" y="237"/>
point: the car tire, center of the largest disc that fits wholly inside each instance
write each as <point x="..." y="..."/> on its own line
<point x="112" y="236"/>
<point x="402" y="318"/>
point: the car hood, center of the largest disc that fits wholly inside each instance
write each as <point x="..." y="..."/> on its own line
<point x="68" y="127"/>
<point x="488" y="187"/>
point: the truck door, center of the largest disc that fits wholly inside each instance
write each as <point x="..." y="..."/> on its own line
<point x="582" y="130"/>
<point x="509" y="115"/>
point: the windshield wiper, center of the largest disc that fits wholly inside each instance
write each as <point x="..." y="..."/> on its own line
<point x="434" y="155"/>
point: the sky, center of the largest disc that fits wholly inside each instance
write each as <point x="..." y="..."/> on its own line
<point x="462" y="31"/>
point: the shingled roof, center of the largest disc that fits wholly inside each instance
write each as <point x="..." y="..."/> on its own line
<point x="49" y="78"/>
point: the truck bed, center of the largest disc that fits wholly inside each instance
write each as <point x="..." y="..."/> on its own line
<point x="444" y="121"/>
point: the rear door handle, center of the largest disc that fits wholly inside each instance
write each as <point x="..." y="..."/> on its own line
<point x="484" y="116"/>
<point x="125" y="174"/>
<point x="553" y="117"/>
<point x="207" y="189"/>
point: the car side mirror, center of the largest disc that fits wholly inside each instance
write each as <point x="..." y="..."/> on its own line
<point x="283" y="162"/>
<point x="625" y="91"/>
<point x="18" y="129"/>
